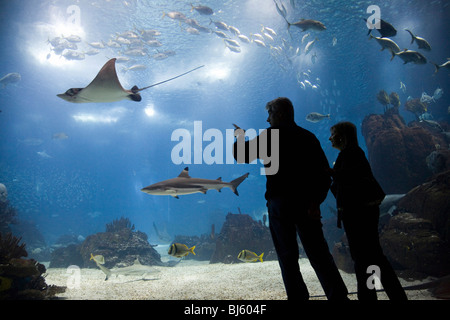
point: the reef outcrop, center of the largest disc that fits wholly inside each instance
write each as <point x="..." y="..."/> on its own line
<point x="413" y="244"/>
<point x="20" y="278"/>
<point x="240" y="232"/>
<point x="120" y="245"/>
<point x="416" y="239"/>
<point x="397" y="152"/>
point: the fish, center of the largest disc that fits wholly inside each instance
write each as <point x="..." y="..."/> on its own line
<point x="259" y="43"/>
<point x="60" y="136"/>
<point x="438" y="93"/>
<point x="175" y="15"/>
<point x="444" y="65"/>
<point x="334" y="41"/>
<point x="308" y="24"/>
<point x="204" y="10"/>
<point x="281" y="11"/>
<point x="221" y="34"/>
<point x="305" y="36"/>
<point x="234" y="30"/>
<point x="219" y="25"/>
<point x="180" y="250"/>
<point x="410" y="56"/>
<point x="44" y="155"/>
<point x="184" y="184"/>
<point x="316" y="117"/>
<point x="249" y="256"/>
<point x="97" y="45"/>
<point x="10" y="78"/>
<point x="421" y="42"/>
<point x="269" y="30"/>
<point x="244" y="38"/>
<point x="137" y="269"/>
<point x="73" y="55"/>
<point x="387" y="43"/>
<point x="192" y="30"/>
<point x="233" y="48"/>
<point x="106" y="87"/>
<point x="136" y="67"/>
<point x="386" y="29"/>
<point x="389" y="204"/>
<point x="425" y="98"/>
<point x="402" y="87"/>
<point x="309" y="46"/>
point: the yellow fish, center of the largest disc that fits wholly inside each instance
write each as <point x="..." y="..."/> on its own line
<point x="180" y="250"/>
<point x="249" y="256"/>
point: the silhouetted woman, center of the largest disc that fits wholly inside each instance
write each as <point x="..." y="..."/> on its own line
<point x="358" y="196"/>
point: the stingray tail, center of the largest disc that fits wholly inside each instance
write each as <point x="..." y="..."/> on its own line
<point x="136" y="89"/>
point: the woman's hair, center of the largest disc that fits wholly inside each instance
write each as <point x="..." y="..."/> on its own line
<point x="347" y="132"/>
<point x="283" y="107"/>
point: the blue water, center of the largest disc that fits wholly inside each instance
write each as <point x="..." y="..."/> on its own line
<point x="112" y="150"/>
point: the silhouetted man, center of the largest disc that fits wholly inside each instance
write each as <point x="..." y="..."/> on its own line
<point x="294" y="194"/>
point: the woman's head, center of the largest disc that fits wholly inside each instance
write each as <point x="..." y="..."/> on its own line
<point x="343" y="135"/>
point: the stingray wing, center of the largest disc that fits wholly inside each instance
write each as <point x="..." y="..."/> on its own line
<point x="106" y="87"/>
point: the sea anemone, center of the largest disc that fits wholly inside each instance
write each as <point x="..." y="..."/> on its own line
<point x="394" y="99"/>
<point x="383" y="98"/>
<point x="416" y="106"/>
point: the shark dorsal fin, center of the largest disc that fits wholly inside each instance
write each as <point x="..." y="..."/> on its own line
<point x="184" y="173"/>
<point x="219" y="179"/>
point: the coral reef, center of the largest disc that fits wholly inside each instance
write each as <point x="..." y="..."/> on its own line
<point x="241" y="232"/>
<point x="413" y="244"/>
<point x="397" y="152"/>
<point x="118" y="225"/>
<point x="417" y="239"/>
<point x="431" y="201"/>
<point x="22" y="278"/>
<point x="120" y="245"/>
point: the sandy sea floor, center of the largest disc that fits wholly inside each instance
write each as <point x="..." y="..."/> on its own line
<point x="193" y="280"/>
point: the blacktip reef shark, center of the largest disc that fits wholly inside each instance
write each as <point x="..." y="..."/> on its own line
<point x="137" y="269"/>
<point x="106" y="87"/>
<point x="184" y="184"/>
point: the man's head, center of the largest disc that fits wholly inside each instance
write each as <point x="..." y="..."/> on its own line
<point x="281" y="111"/>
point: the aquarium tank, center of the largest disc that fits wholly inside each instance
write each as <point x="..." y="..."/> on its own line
<point x="100" y="100"/>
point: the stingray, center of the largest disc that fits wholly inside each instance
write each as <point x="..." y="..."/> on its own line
<point x="106" y="87"/>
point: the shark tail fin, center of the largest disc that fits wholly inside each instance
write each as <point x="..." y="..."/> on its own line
<point x="236" y="182"/>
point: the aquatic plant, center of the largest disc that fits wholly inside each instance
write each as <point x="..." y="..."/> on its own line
<point x="119" y="224"/>
<point x="10" y="248"/>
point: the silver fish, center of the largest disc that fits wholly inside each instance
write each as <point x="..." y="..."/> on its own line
<point x="316" y="117"/>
